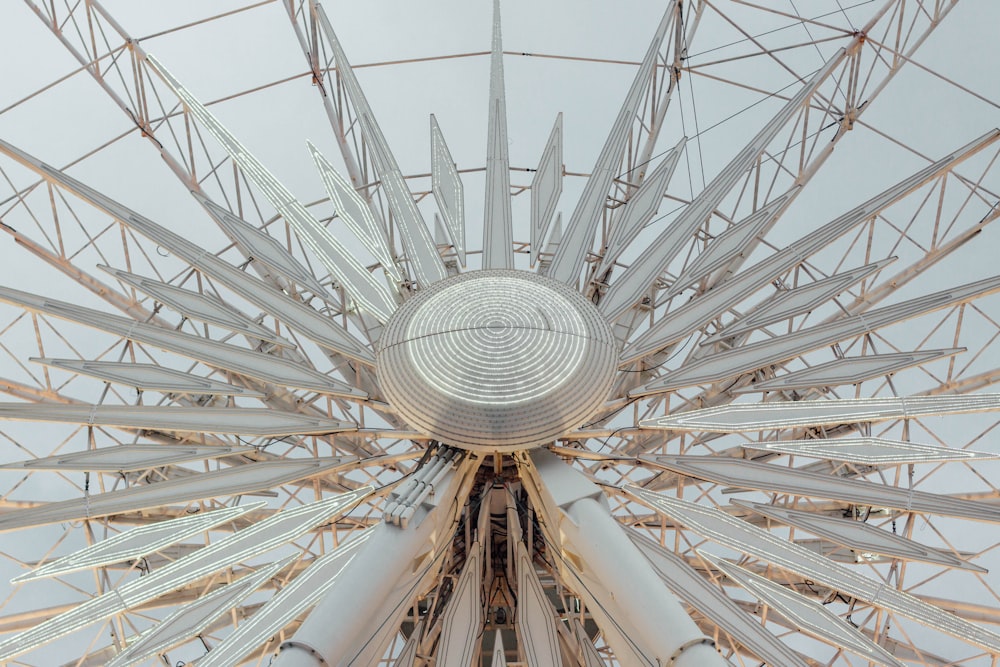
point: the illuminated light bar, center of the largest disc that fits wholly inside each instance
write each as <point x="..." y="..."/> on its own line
<point x="250" y="542"/>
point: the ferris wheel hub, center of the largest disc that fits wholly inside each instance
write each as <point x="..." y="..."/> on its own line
<point x="497" y="360"/>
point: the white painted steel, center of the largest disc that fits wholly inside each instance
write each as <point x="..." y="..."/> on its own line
<point x="731" y="244"/>
<point x="408" y="656"/>
<point x="338" y="260"/>
<point x="356" y="213"/>
<point x="263" y="248"/>
<point x="849" y="370"/>
<point x="536" y="630"/>
<point x="695" y="590"/>
<point x="462" y="625"/>
<point x="138" y="542"/>
<point x="747" y="538"/>
<point x="261" y="422"/>
<point x="747" y="358"/>
<point x="421" y="251"/>
<point x="651" y="613"/>
<point x="499" y="658"/>
<point x="633" y="283"/>
<point x="546" y="187"/>
<point x="446" y="184"/>
<point x="870" y="451"/>
<point x="392" y="555"/>
<point x="579" y="233"/>
<point x="204" y="307"/>
<point x="127" y="458"/>
<point x="496" y="360"/>
<point x="294" y="598"/>
<point x="149" y="377"/>
<point x="780" y="479"/>
<point x="788" y="303"/>
<point x="497" y="223"/>
<point x="642" y="206"/>
<point x="240" y="360"/>
<point x="249" y="542"/>
<point x="692" y="316"/>
<point x="235" y="481"/>
<point x="743" y="417"/>
<point x="307" y="320"/>
<point x="191" y="619"/>
<point x="862" y="538"/>
<point x="617" y="207"/>
<point x="805" y="614"/>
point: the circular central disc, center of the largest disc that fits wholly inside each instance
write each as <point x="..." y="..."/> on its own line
<point x="497" y="360"/>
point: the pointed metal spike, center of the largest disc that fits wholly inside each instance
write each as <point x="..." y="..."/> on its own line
<point x="204" y="307"/>
<point x="188" y="621"/>
<point x="580" y="231"/>
<point x="535" y="616"/>
<point x="632" y="284"/>
<point x="802" y="299"/>
<point x="408" y="656"/>
<point x="699" y="311"/>
<point x="870" y="451"/>
<point x="730" y="363"/>
<point x="641" y="208"/>
<point x="357" y="215"/>
<point x="394" y="565"/>
<point x="498" y="237"/>
<point x="771" y="478"/>
<point x="591" y="658"/>
<point x="462" y="624"/>
<point x="221" y="355"/>
<point x="499" y="651"/>
<point x="693" y="315"/>
<point x="138" y="542"/>
<point x="420" y="248"/>
<point x="555" y="238"/>
<point x="149" y="377"/>
<point x="250" y="542"/>
<point x="615" y="576"/>
<point x="849" y="370"/>
<point x="546" y="187"/>
<point x="235" y="481"/>
<point x="289" y="603"/>
<point x="261" y="422"/>
<point x="736" y="418"/>
<point x="369" y="294"/>
<point x="714" y="604"/>
<point x="729" y="245"/>
<point x="736" y="534"/>
<point x="293" y="313"/>
<point x="860" y="537"/>
<point x="808" y="615"/>
<point x="261" y="247"/>
<point x="126" y="458"/>
<point x="446" y="184"/>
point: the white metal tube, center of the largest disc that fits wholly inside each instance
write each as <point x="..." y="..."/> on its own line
<point x="344" y="616"/>
<point x="656" y="619"/>
<point x="346" y="613"/>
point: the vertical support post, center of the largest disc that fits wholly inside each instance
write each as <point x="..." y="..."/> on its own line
<point x="393" y="553"/>
<point x="594" y="541"/>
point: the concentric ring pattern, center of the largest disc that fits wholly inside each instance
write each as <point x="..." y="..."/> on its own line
<point x="497" y="360"/>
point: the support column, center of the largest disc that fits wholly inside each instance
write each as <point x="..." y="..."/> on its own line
<point x="393" y="554"/>
<point x="654" y="618"/>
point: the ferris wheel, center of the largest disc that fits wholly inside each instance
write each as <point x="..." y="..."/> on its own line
<point x="455" y="334"/>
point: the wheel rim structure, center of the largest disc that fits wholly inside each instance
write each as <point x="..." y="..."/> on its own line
<point x="771" y="435"/>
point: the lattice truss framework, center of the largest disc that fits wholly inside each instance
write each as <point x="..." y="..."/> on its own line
<point x="791" y="462"/>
